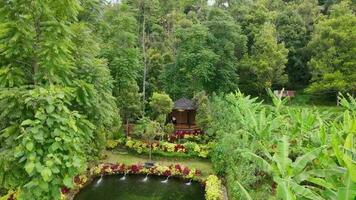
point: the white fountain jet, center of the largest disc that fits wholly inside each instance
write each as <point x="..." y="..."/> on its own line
<point x="166" y="181"/>
<point x="99" y="180"/>
<point x="124" y="177"/>
<point x="189" y="183"/>
<point x="145" y="179"/>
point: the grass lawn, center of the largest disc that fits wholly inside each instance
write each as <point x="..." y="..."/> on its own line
<point x="127" y="158"/>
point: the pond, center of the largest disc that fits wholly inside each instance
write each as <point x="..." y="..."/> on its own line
<point x="135" y="187"/>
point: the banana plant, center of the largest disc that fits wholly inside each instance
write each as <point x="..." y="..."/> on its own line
<point x="348" y="101"/>
<point x="339" y="179"/>
<point x="287" y="174"/>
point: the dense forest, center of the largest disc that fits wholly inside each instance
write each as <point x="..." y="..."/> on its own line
<point x="89" y="66"/>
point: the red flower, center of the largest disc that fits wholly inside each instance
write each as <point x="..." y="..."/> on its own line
<point x="64" y="190"/>
<point x="115" y="168"/>
<point x="186" y="171"/>
<point x="167" y="173"/>
<point x="135" y="168"/>
<point x="178" y="168"/>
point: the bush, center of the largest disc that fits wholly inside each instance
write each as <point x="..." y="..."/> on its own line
<point x="166" y="148"/>
<point x="213" y="188"/>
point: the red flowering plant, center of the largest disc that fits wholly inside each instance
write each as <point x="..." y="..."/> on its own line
<point x="135" y="168"/>
<point x="178" y="168"/>
<point x="186" y="171"/>
<point x="181" y="134"/>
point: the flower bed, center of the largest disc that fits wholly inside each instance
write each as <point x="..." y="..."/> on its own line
<point x="186" y="134"/>
<point x="189" y="148"/>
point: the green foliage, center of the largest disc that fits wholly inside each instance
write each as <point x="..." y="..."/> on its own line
<point x="161" y="103"/>
<point x="287" y="174"/>
<point x="67" y="66"/>
<point x="313" y="149"/>
<point x="266" y="62"/>
<point x="55" y="96"/>
<point x="203" y="117"/>
<point x="332" y="47"/>
<point x="193" y="67"/>
<point x="119" y="32"/>
<point x="52" y="144"/>
<point x="229" y="44"/>
<point x="148" y="130"/>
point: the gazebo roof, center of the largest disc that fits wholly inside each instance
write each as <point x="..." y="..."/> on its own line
<point x="184" y="104"/>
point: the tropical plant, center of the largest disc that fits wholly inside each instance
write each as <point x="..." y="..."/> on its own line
<point x="286" y="174"/>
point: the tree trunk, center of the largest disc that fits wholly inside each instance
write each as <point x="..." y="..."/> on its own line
<point x="127" y="127"/>
<point x="144" y="63"/>
<point x="150" y="153"/>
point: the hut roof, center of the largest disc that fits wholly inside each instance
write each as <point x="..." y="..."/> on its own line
<point x="184" y="104"/>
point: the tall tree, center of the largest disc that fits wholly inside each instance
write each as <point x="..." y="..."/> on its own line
<point x="147" y="13"/>
<point x="251" y="15"/>
<point x="120" y="35"/>
<point x="193" y="67"/>
<point x="228" y="42"/>
<point x="265" y="65"/>
<point x="53" y="90"/>
<point x="292" y="31"/>
<point x="333" y="52"/>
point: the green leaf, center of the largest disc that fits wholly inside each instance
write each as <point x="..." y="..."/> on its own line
<point x="349" y="191"/>
<point x="50" y="108"/>
<point x="303" y="160"/>
<point x="322" y="182"/>
<point x="283" y="190"/>
<point x="26" y="122"/>
<point x="29" y="146"/>
<point x="46" y="174"/>
<point x="68" y="181"/>
<point x="244" y="191"/>
<point x="259" y="160"/>
<point x="304" y="192"/>
<point x="281" y="156"/>
<point x="29" y="167"/>
<point x="348" y="159"/>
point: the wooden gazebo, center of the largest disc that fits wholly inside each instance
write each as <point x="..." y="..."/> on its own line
<point x="183" y="114"/>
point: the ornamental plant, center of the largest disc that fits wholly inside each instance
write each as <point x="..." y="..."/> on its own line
<point x="148" y="130"/>
<point x="188" y="148"/>
<point x="213" y="188"/>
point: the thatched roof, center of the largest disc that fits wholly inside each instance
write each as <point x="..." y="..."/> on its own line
<point x="184" y="104"/>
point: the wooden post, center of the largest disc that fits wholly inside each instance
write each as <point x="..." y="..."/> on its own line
<point x="188" y="119"/>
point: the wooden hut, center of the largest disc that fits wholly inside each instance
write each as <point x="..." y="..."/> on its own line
<point x="183" y="114"/>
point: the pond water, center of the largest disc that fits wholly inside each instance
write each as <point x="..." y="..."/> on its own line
<point x="135" y="188"/>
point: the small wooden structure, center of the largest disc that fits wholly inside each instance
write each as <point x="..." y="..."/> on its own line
<point x="183" y="114"/>
<point x="284" y="93"/>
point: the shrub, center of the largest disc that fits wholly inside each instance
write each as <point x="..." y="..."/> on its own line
<point x="111" y="144"/>
<point x="162" y="148"/>
<point x="213" y="188"/>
